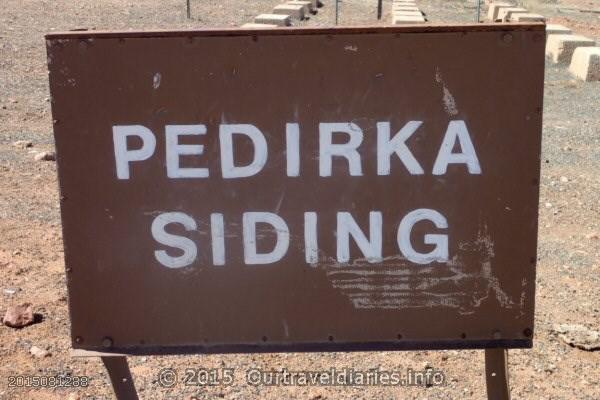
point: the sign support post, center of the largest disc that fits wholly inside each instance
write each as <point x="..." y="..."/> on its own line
<point x="120" y="377"/>
<point x="496" y="374"/>
<point x="117" y="367"/>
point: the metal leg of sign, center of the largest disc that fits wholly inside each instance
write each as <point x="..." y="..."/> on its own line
<point x="496" y="374"/>
<point x="118" y="371"/>
<point x="120" y="377"/>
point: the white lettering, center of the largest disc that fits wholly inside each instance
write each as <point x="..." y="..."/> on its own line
<point x="346" y="227"/>
<point x="123" y="155"/>
<point x="327" y="150"/>
<point x="439" y="253"/>
<point x="228" y="167"/>
<point x="292" y="143"/>
<point x="457" y="129"/>
<point x="179" y="242"/>
<point x="311" y="246"/>
<point x="387" y="147"/>
<point x="217" y="234"/>
<point x="174" y="150"/>
<point x="249" y="221"/>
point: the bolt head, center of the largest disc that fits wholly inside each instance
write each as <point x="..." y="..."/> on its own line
<point x="107" y="342"/>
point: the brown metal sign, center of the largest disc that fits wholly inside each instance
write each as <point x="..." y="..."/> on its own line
<point x="299" y="189"/>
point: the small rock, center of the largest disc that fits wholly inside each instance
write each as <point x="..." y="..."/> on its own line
<point x="548" y="205"/>
<point x="550" y="368"/>
<point x="19" y="316"/>
<point x="564" y="179"/>
<point x="74" y="396"/>
<point x="23" y="144"/>
<point x="592" y="236"/>
<point x="45" y="156"/>
<point x="11" y="291"/>
<point x="39" y="353"/>
<point x="578" y="336"/>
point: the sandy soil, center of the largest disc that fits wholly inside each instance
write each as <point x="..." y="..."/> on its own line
<point x="31" y="255"/>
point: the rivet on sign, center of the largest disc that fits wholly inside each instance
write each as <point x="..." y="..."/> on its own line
<point x="507" y="38"/>
<point x="497" y="334"/>
<point x="107" y="342"/>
